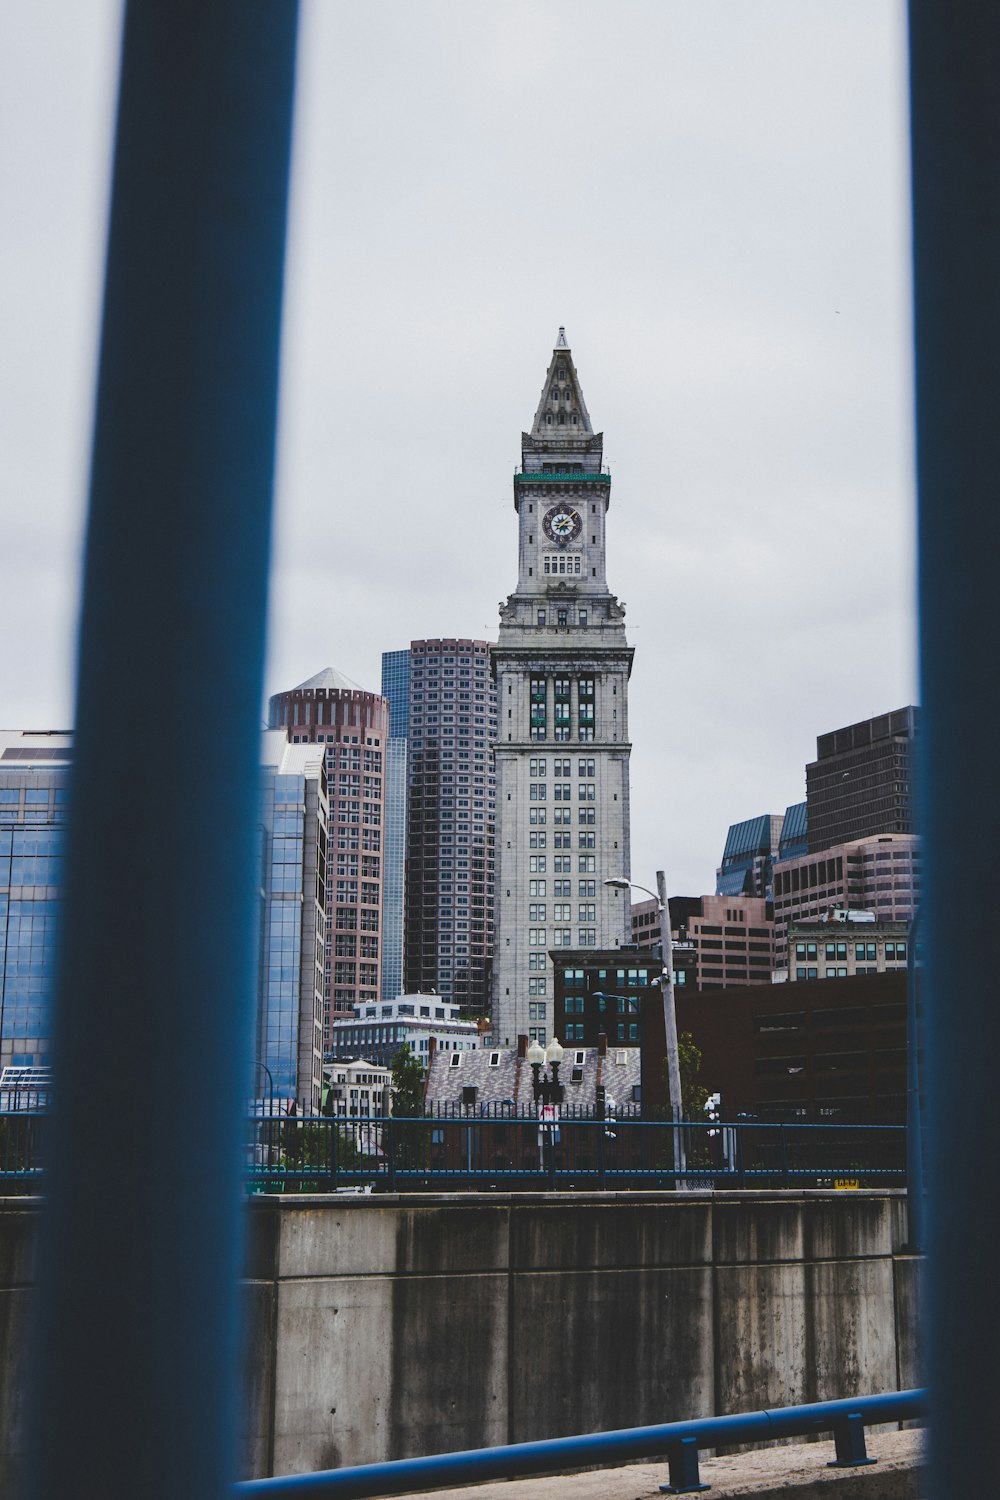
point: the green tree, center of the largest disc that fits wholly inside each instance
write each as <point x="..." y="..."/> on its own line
<point x="693" y="1093"/>
<point x="407" y="1084"/>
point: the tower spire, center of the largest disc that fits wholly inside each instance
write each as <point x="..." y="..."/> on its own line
<point x="562" y="412"/>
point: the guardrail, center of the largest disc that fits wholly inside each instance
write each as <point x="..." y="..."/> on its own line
<point x="484" y="1150"/>
<point x="678" y="1441"/>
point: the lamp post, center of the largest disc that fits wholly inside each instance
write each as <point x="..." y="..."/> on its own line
<point x="619" y="883"/>
<point x="548" y="1093"/>
<point x="546" y="1090"/>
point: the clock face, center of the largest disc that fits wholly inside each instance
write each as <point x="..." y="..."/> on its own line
<point x="562" y="524"/>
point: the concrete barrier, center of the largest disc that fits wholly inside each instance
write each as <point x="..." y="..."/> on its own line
<point x="383" y="1327"/>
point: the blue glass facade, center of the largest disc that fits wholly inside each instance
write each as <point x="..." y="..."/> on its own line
<point x="748" y="858"/>
<point x="396" y="689"/>
<point x="795" y="831"/>
<point x="292" y="924"/>
<point x="32" y="818"/>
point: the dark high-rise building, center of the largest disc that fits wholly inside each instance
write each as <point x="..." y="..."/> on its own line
<point x="396" y="691"/>
<point x="861" y="782"/>
<point x="450" y="813"/>
<point x="353" y="724"/>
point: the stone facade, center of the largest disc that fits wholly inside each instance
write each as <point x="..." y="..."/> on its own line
<point x="561" y="666"/>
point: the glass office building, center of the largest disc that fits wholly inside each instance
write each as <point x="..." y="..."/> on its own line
<point x="294" y="812"/>
<point x="34" y="772"/>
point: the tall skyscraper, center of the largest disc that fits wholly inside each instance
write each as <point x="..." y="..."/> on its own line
<point x="861" y="782"/>
<point x="353" y="725"/>
<point x="34" y="775"/>
<point x="396" y="692"/>
<point x="292" y="943"/>
<point x="445" y="691"/>
<point x="562" y="666"/>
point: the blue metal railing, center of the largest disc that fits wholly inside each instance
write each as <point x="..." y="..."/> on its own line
<point x="679" y="1441"/>
<point x="485" y="1151"/>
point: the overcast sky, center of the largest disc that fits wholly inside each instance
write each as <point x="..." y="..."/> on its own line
<point x="712" y="196"/>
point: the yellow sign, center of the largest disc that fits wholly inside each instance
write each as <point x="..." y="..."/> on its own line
<point x="846" y="1182"/>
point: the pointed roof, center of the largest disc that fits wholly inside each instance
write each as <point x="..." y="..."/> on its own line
<point x="562" y="411"/>
<point x="330" y="678"/>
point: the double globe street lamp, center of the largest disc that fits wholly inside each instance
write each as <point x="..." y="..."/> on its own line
<point x="546" y="1090"/>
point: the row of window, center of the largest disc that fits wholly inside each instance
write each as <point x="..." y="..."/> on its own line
<point x="562" y="791"/>
<point x="894" y="951"/>
<point x="561" y="888"/>
<point x="560" y="937"/>
<point x="560" y="817"/>
<point x="561" y="910"/>
<point x="561" y="767"/>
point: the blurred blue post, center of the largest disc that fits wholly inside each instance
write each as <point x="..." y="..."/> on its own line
<point x="955" y="103"/>
<point x="914" y="1102"/>
<point x="136" y="1356"/>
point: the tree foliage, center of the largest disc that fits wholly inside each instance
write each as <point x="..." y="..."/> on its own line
<point x="693" y="1093"/>
<point x="407" y="1084"/>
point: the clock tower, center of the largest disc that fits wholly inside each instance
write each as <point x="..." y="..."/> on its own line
<point x="562" y="666"/>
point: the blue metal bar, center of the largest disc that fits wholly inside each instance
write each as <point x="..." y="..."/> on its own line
<point x="914" y="1101"/>
<point x="627" y="1445"/>
<point x="134" y="1386"/>
<point x="955" y="130"/>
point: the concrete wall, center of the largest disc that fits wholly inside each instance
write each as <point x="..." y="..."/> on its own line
<point x="382" y="1327"/>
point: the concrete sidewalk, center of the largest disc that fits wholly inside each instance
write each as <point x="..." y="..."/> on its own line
<point x="796" y="1472"/>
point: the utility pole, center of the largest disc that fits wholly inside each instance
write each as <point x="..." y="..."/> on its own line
<point x="670" y="1023"/>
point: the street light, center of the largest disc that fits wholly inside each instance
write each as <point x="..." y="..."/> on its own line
<point x="548" y="1093"/>
<point x="619" y="883"/>
<point x="547" y="1090"/>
